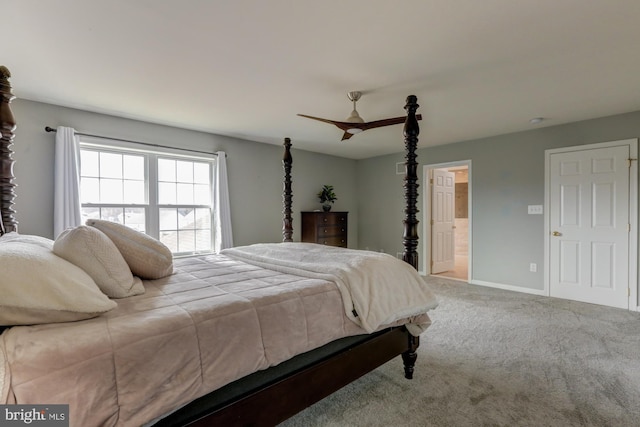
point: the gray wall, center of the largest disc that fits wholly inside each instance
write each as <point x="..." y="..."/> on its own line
<point x="507" y="175"/>
<point x="255" y="171"/>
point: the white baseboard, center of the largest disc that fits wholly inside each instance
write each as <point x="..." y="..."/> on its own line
<point x="540" y="292"/>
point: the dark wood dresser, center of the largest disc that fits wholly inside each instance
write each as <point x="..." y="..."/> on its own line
<point x="325" y="228"/>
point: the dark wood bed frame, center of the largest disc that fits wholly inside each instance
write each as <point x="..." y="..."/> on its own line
<point x="272" y="400"/>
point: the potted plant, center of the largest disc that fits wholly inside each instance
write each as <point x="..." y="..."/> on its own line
<point x="327" y="197"/>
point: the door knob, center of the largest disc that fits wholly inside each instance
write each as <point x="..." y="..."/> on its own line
<point x="556" y="233"/>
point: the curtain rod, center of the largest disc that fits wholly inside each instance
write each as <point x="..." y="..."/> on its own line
<point x="50" y="129"/>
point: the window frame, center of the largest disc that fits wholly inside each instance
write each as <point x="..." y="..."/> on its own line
<point x="151" y="157"/>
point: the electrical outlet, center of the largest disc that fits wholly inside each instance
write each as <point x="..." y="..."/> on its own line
<point x="533" y="267"/>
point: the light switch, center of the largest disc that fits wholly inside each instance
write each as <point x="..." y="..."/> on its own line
<point x="534" y="209"/>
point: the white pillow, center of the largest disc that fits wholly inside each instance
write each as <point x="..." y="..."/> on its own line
<point x="37" y="286"/>
<point x="147" y="257"/>
<point x="91" y="250"/>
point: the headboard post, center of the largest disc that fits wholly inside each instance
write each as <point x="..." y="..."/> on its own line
<point x="7" y="128"/>
<point x="287" y="220"/>
<point x="410" y="235"/>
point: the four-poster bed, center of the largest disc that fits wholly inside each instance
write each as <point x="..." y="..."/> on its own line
<point x="286" y="379"/>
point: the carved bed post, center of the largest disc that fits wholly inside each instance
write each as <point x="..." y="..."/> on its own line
<point x="411" y="131"/>
<point x="410" y="236"/>
<point x="7" y="127"/>
<point x="287" y="220"/>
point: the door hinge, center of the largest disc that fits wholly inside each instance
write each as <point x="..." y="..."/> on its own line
<point x="628" y="292"/>
<point x="431" y="181"/>
<point x="628" y="228"/>
<point x="629" y="160"/>
<point x="431" y="263"/>
<point x="432" y="221"/>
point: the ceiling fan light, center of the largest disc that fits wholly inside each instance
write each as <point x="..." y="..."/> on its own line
<point x="353" y="131"/>
<point x="354" y="118"/>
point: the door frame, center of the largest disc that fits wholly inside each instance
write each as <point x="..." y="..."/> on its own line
<point x="426" y="206"/>
<point x="633" y="212"/>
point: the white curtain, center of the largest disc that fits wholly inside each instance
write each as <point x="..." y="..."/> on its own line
<point x="222" y="220"/>
<point x="66" y="192"/>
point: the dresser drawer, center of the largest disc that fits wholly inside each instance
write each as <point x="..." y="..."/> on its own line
<point x="333" y="241"/>
<point x="331" y="230"/>
<point x="331" y="219"/>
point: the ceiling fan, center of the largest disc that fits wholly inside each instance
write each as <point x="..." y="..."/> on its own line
<point x="356" y="124"/>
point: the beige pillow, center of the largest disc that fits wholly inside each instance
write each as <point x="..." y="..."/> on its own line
<point x="147" y="257"/>
<point x="37" y="286"/>
<point x="91" y="250"/>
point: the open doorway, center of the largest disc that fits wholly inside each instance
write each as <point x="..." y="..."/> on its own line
<point x="448" y="220"/>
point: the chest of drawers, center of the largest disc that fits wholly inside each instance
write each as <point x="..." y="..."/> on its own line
<point x="325" y="228"/>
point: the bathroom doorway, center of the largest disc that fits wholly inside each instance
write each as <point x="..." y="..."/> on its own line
<point x="448" y="220"/>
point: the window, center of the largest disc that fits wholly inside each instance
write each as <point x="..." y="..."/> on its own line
<point x="165" y="195"/>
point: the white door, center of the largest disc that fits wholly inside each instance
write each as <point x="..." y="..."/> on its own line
<point x="443" y="221"/>
<point x="589" y="225"/>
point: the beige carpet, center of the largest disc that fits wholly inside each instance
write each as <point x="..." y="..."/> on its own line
<point x="500" y="358"/>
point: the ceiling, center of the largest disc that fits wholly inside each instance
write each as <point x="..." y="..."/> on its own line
<point x="245" y="68"/>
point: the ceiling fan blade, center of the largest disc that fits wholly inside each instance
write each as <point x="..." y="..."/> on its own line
<point x="346" y="135"/>
<point x="387" y="122"/>
<point x="319" y="119"/>
<point x="341" y="125"/>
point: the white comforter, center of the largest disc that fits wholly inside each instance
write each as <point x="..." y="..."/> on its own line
<point x="376" y="288"/>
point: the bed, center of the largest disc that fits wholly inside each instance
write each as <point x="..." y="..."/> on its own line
<point x="250" y="336"/>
